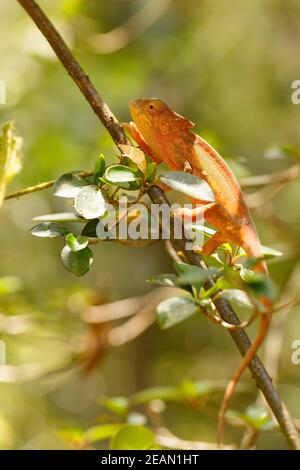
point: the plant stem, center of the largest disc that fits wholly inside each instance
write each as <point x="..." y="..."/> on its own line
<point x="39" y="187"/>
<point x="157" y="196"/>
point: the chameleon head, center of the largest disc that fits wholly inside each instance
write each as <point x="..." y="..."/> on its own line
<point x="154" y="118"/>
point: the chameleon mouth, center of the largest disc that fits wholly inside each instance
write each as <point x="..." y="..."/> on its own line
<point x="135" y="109"/>
<point x="135" y="106"/>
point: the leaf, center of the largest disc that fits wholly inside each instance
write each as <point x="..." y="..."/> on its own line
<point x="168" y="280"/>
<point x="10" y="156"/>
<point x="49" y="230"/>
<point x="275" y="152"/>
<point x="165" y="393"/>
<point x="99" y="167"/>
<point x="60" y="217"/>
<point x="137" y="418"/>
<point x="118" y="405"/>
<point x="269" y="253"/>
<point x="79" y="263"/>
<point x="213" y="260"/>
<point x="150" y="172"/>
<point x="202" y="228"/>
<point x="198" y="389"/>
<point x="257" y="415"/>
<point x="89" y="229"/>
<point x="76" y="243"/>
<point x="238" y="297"/>
<point x="135" y="154"/>
<point x="131" y="437"/>
<point x="259" y="284"/>
<point x="68" y="185"/>
<point x="174" y="310"/>
<point x="192" y="275"/>
<point x="101" y="432"/>
<point x="89" y="202"/>
<point x="71" y="435"/>
<point x="188" y="184"/>
<point x="9" y="284"/>
<point x="123" y="176"/>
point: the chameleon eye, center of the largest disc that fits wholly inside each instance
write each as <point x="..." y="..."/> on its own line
<point x="151" y="106"/>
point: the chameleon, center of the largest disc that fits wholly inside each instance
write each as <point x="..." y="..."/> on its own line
<point x="166" y="136"/>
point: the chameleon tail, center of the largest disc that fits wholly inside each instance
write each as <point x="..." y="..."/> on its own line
<point x="253" y="249"/>
<point x="263" y="328"/>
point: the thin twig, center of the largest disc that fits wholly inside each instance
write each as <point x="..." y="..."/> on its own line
<point x="223" y="307"/>
<point x="284" y="176"/>
<point x="165" y="438"/>
<point x="274" y="343"/>
<point x="40" y="187"/>
<point x="138" y="23"/>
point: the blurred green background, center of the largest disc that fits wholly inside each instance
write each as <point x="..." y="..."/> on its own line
<point x="227" y="66"/>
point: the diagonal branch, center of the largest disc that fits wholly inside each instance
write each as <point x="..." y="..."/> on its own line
<point x="157" y="196"/>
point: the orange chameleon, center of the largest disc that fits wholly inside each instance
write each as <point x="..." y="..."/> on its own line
<point x="166" y="137"/>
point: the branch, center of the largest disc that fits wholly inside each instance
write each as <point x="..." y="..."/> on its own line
<point x="165" y="438"/>
<point x="223" y="307"/>
<point x="284" y="176"/>
<point x="40" y="187"/>
<point x="138" y="23"/>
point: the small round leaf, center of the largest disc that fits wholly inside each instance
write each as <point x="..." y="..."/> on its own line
<point x="78" y="262"/>
<point x="188" y="184"/>
<point x="89" y="202"/>
<point x="49" y="230"/>
<point x="76" y="243"/>
<point x="132" y="437"/>
<point x="68" y="185"/>
<point x="174" y="310"/>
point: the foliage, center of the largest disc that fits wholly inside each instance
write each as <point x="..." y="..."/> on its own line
<point x="240" y="102"/>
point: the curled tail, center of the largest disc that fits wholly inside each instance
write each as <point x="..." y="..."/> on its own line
<point x="252" y="249"/>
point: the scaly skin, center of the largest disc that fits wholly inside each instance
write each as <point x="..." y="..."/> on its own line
<point x="165" y="136"/>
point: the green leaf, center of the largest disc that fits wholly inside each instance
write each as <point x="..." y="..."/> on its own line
<point x="89" y="202"/>
<point x="269" y="253"/>
<point x="187" y="184"/>
<point x="278" y="151"/>
<point x="60" y="217"/>
<point x="165" y="393"/>
<point x="76" y="243"/>
<point x="192" y="275"/>
<point x="131" y="437"/>
<point x="71" y="435"/>
<point x="101" y="432"/>
<point x="78" y="262"/>
<point x="213" y="260"/>
<point x="10" y="156"/>
<point x="118" y="405"/>
<point x="174" y="310"/>
<point x="49" y="230"/>
<point x="237" y="297"/>
<point x="198" y="389"/>
<point x="9" y="284"/>
<point x="257" y="415"/>
<point x="124" y="177"/>
<point x="150" y="172"/>
<point x="259" y="284"/>
<point x="89" y="229"/>
<point x="167" y="280"/>
<point x="137" y="418"/>
<point x="203" y="229"/>
<point x="68" y="185"/>
<point x="99" y="167"/>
